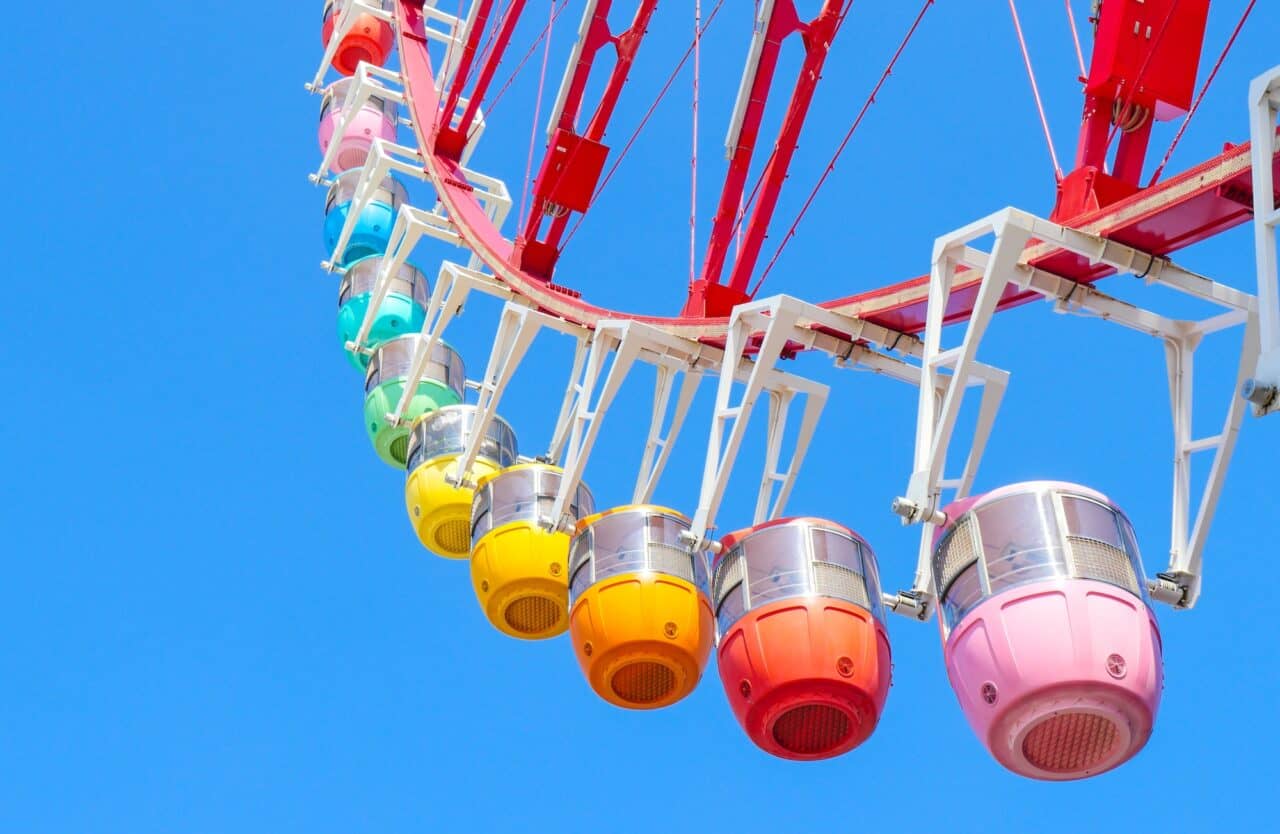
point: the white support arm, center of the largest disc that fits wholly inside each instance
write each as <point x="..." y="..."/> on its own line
<point x="447" y="299"/>
<point x="627" y="341"/>
<point x="450" y="31"/>
<point x="657" y="443"/>
<point x="346" y="19"/>
<point x="572" y="393"/>
<point x="776" y="485"/>
<point x="1263" y="390"/>
<point x="517" y="328"/>
<point x="367" y="83"/>
<point x="411" y="225"/>
<point x="941" y="396"/>
<point x="780" y="322"/>
<point x="385" y="157"/>
<point x="1179" y="585"/>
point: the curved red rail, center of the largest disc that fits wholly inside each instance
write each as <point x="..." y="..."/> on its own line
<point x="1185" y="209"/>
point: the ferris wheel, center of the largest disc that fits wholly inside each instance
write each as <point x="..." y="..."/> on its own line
<point x="1045" y="609"/>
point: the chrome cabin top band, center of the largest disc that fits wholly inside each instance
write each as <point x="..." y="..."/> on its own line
<point x="390" y="191"/>
<point x="362" y="275"/>
<point x="523" y="493"/>
<point x="445" y="431"/>
<point x="392" y="359"/>
<point x="1033" y="533"/>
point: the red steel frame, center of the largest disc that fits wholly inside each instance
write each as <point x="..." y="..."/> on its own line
<point x="580" y="170"/>
<point x="1175" y="213"/>
<point x="707" y="295"/>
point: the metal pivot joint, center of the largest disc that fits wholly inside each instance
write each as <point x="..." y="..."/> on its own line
<point x="1263" y="389"/>
<point x="1019" y="239"/>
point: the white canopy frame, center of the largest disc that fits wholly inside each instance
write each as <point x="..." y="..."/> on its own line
<point x="440" y="27"/>
<point x="1002" y="268"/>
<point x="412" y="224"/>
<point x="629" y="341"/>
<point x="518" y="326"/>
<point x="772" y="328"/>
<point x="1263" y="390"/>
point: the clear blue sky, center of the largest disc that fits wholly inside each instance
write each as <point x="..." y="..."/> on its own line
<point x="214" y="616"/>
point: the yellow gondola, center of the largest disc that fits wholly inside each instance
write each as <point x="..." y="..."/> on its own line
<point x="440" y="509"/>
<point x="519" y="568"/>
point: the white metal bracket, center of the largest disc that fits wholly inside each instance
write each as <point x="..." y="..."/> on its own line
<point x="1263" y="390"/>
<point x="1004" y="268"/>
<point x="366" y="83"/>
<point x="449" y="30"/>
<point x="518" y="325"/>
<point x="341" y="26"/>
<point x="777" y="319"/>
<point x="412" y="223"/>
<point x="628" y="341"/>
<point x="770" y="328"/>
<point x="448" y="296"/>
<point x="370" y="81"/>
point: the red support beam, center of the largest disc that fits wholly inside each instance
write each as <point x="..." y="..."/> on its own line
<point x="1145" y="59"/>
<point x="453" y="140"/>
<point x="469" y="49"/>
<point x="574" y="161"/>
<point x="707" y="297"/>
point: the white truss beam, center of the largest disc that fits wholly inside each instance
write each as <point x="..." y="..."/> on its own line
<point x="448" y="296"/>
<point x="370" y="81"/>
<point x="629" y="341"/>
<point x="341" y="26"/>
<point x="1263" y="390"/>
<point x="777" y="318"/>
<point x="413" y="223"/>
<point x="518" y="326"/>
<point x="1002" y="267"/>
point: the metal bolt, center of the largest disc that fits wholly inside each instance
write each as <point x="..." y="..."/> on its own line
<point x="1257" y="392"/>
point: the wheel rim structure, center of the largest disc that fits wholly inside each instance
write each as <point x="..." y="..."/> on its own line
<point x="1154" y="220"/>
<point x="657" y="595"/>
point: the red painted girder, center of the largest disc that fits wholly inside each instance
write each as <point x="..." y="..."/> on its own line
<point x="626" y="44"/>
<point x="503" y="39"/>
<point x="1183" y="210"/>
<point x="782" y="23"/>
<point x="469" y="48"/>
<point x="1144" y="64"/>
<point x="817" y="36"/>
<point x="1171" y="215"/>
